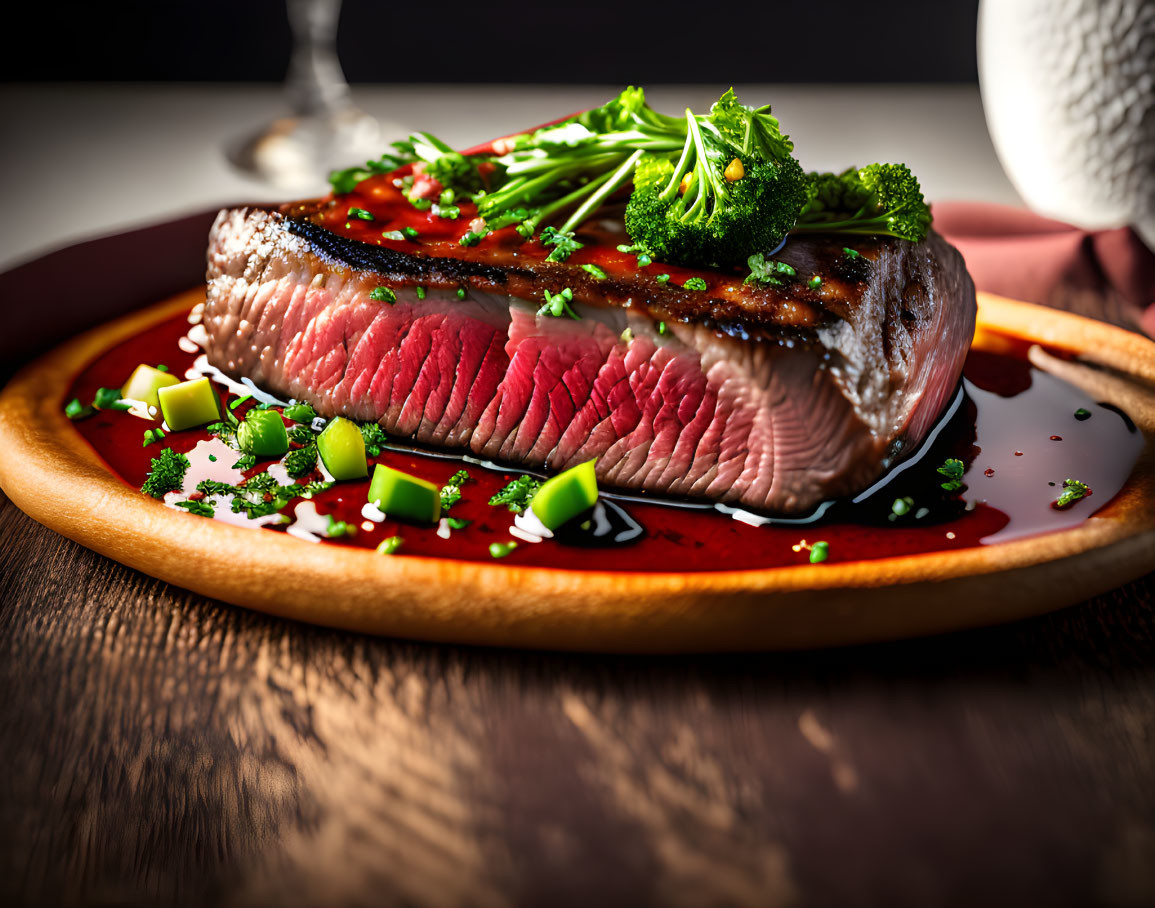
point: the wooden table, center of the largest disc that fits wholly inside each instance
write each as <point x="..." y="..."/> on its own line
<point x="160" y="748"/>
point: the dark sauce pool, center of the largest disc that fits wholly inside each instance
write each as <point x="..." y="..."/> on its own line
<point x="1015" y="429"/>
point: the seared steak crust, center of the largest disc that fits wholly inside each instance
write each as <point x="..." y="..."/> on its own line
<point x="771" y="398"/>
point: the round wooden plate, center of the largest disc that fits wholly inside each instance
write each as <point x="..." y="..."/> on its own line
<point x="54" y="476"/>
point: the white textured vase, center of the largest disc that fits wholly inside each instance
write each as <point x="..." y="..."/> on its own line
<point x="1068" y="87"/>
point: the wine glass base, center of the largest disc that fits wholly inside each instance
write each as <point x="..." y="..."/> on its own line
<point x="297" y="153"/>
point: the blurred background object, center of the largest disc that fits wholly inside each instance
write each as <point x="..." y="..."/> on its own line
<point x="604" y="42"/>
<point x="1068" y="87"/>
<point x="326" y="129"/>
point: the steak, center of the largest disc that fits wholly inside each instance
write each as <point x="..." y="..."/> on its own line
<point x="773" y="398"/>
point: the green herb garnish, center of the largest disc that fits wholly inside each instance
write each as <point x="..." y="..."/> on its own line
<point x="501" y="549"/>
<point x="361" y="213"/>
<point x="375" y="438"/>
<point x="469" y="238"/>
<point x="595" y="271"/>
<point x="300" y="413"/>
<point x="200" y="508"/>
<point x="1082" y="414"/>
<point x="457" y="523"/>
<point x="557" y="304"/>
<point x="767" y="271"/>
<point x="819" y="552"/>
<point x="167" y="473"/>
<point x="245" y="462"/>
<point x="420" y="292"/>
<point x="953" y="470"/>
<point x="451" y="491"/>
<point x="301" y="461"/>
<point x="1072" y="491"/>
<point x="383" y="295"/>
<point x="517" y="494"/>
<point x="564" y="244"/>
<point x="152" y="436"/>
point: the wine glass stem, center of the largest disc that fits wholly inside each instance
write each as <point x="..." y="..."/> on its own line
<point x="315" y="84"/>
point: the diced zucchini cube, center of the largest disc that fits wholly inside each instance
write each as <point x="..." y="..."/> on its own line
<point x="188" y="404"/>
<point x="144" y="382"/>
<point x="403" y="496"/>
<point x="565" y="496"/>
<point x="342" y="448"/>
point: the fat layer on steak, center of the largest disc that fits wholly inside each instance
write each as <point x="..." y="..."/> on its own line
<point x="764" y="398"/>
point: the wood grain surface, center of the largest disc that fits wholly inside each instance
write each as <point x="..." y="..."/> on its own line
<point x="161" y="748"/>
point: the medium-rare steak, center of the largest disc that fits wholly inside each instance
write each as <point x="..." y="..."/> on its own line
<point x="769" y="397"/>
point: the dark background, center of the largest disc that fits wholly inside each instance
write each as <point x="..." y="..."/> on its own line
<point x="607" y="41"/>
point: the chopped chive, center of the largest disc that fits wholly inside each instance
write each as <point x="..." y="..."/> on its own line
<point x="663" y="278"/>
<point x="383" y="295"/>
<point x="901" y="507"/>
<point x="695" y="283"/>
<point x="661" y="327"/>
<point x="815" y="282"/>
<point x="461" y="293"/>
<point x="470" y="238"/>
<point x="338" y="528"/>
<point x="410" y="232"/>
<point x="644" y="260"/>
<point x="819" y="552"/>
<point x="74" y="409"/>
<point x="212" y="458"/>
<point x="851" y="253"/>
<point x="595" y="271"/>
<point x="360" y="213"/>
<point x="109" y="399"/>
<point x="161" y="367"/>
<point x="151" y="436"/>
<point x="390" y="546"/>
<point x="501" y="549"/>
<point x="420" y="292"/>
<point x="240" y="400"/>
<point x="457" y="523"/>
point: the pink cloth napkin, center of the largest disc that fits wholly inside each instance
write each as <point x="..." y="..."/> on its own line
<point x="1108" y="274"/>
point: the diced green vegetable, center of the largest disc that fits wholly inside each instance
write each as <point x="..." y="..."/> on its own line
<point x="342" y="449"/>
<point x="263" y="434"/>
<point x="404" y="496"/>
<point x="561" y="498"/>
<point x="390" y="546"/>
<point x="501" y="549"/>
<point x="144" y="382"/>
<point x="188" y="404"/>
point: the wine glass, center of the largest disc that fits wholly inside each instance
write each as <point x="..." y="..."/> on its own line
<point x="326" y="129"/>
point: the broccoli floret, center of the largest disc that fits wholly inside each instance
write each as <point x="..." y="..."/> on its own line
<point x="710" y="220"/>
<point x="883" y="199"/>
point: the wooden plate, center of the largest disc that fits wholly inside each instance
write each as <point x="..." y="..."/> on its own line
<point x="54" y="476"/>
